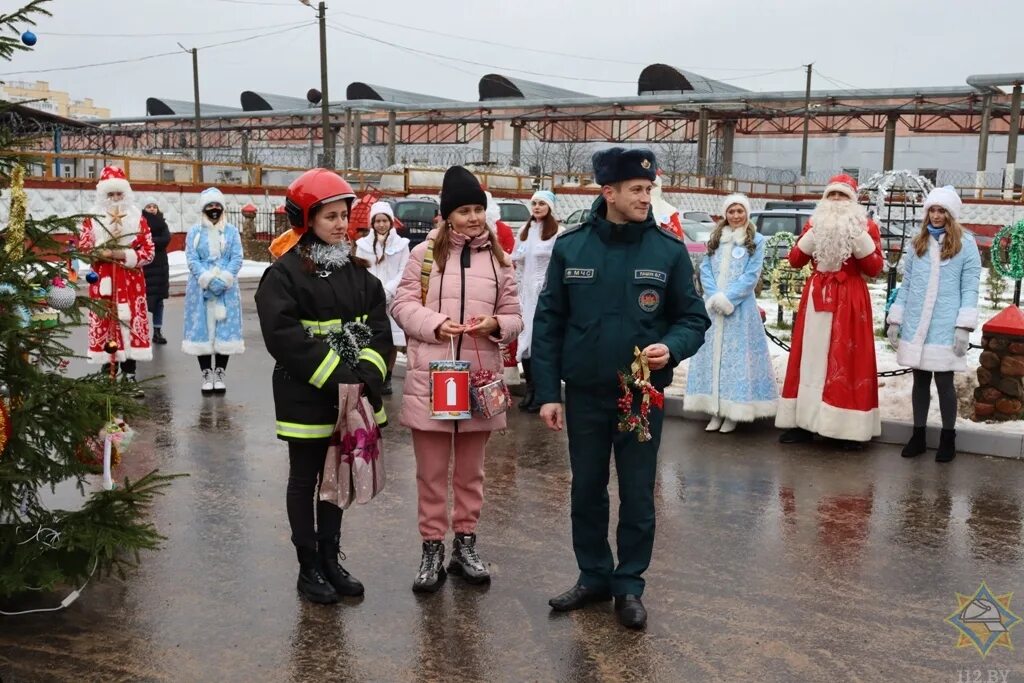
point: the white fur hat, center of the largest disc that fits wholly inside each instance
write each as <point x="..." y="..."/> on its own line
<point x="379" y="208"/>
<point x="947" y="198"/>
<point x="736" y="198"/>
<point x="211" y="195"/>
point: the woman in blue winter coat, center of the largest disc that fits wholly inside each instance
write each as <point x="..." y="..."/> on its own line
<point x="935" y="311"/>
<point x="213" y="303"/>
<point x="731" y="378"/>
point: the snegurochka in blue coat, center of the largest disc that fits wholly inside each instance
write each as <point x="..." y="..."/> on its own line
<point x="731" y="378"/>
<point x="213" y="303"/>
<point x="935" y="311"/>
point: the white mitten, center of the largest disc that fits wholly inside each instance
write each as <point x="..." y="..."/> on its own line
<point x="806" y="243"/>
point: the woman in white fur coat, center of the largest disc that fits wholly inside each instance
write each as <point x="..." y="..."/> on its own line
<point x="213" y="303"/>
<point x="731" y="378"/>
<point x="386" y="252"/>
<point x="935" y="311"/>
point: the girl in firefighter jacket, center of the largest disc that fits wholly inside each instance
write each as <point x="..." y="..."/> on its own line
<point x="314" y="297"/>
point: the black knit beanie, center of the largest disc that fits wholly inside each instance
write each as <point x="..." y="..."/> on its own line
<point x="459" y="188"/>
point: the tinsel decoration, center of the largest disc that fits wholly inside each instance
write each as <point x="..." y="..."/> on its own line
<point x="776" y="248"/>
<point x="912" y="186"/>
<point x="329" y="257"/>
<point x="1010" y="238"/>
<point x="785" y="281"/>
<point x="14" y="237"/>
<point x="5" y="425"/>
<point x="349" y="341"/>
<point x="637" y="379"/>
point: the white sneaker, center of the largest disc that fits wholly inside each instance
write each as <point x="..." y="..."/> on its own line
<point x="207" y="386"/>
<point x="713" y="426"/>
<point x="727" y="426"/>
<point x="218" y="381"/>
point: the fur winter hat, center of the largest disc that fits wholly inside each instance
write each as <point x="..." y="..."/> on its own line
<point x="211" y="195"/>
<point x="546" y="196"/>
<point x="617" y="164"/>
<point x="379" y="208"/>
<point x="947" y="198"/>
<point x="460" y="188"/>
<point x="736" y="198"/>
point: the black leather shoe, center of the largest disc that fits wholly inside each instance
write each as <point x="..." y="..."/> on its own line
<point x="796" y="435"/>
<point x="631" y="611"/>
<point x="158" y="338"/>
<point x="577" y="597"/>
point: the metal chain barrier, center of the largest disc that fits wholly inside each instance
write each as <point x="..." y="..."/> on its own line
<point x="888" y="373"/>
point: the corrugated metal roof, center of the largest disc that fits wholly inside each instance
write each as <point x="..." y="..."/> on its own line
<point x="367" y="91"/>
<point x="158" y="106"/>
<point x="498" y="87"/>
<point x="663" y="78"/>
<point x="262" y="101"/>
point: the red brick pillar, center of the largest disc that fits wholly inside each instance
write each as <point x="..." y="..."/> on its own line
<point x="1000" y="392"/>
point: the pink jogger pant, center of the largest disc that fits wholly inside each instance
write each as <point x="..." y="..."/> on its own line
<point x="433" y="455"/>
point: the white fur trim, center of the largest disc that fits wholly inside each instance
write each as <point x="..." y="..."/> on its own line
<point x="105" y="187"/>
<point x="829" y="421"/>
<point x="720" y="300"/>
<point x="139" y="353"/>
<point x="229" y="348"/>
<point x="736" y="198"/>
<point x="100" y="357"/>
<point x="930" y="357"/>
<point x="379" y="208"/>
<point x="228" y="278"/>
<point x="896" y="314"/>
<point x="220" y="312"/>
<point x="863" y="245"/>
<point x="124" y="312"/>
<point x="211" y="195"/>
<point x="967" y="318"/>
<point x="945" y="197"/>
<point x="206" y="278"/>
<point x="730" y="410"/>
<point x="930" y="295"/>
<point x="806" y="243"/>
<point x="106" y="286"/>
<point x="196" y="348"/>
<point x="131" y="259"/>
<point x="840" y="187"/>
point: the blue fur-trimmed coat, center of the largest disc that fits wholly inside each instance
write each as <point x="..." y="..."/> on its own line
<point x="935" y="298"/>
<point x="732" y="375"/>
<point x="213" y="302"/>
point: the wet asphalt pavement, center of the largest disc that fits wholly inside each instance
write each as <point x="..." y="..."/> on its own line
<point x="771" y="563"/>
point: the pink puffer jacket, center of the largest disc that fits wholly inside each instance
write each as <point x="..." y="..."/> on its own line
<point x="484" y="288"/>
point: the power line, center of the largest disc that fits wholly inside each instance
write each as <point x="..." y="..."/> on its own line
<point x="837" y="82"/>
<point x="173" y="35"/>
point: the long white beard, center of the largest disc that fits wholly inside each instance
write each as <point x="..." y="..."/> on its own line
<point x="836" y="225"/>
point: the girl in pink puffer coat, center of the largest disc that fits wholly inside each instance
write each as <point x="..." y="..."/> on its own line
<point x="471" y="299"/>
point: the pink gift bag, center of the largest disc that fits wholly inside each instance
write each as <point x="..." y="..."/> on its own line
<point x="354" y="468"/>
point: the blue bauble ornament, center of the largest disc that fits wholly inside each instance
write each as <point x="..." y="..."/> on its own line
<point x="28" y="38"/>
<point x="92" y="278"/>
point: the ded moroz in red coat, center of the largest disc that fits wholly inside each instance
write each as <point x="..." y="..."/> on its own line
<point x="123" y="284"/>
<point x="831" y="385"/>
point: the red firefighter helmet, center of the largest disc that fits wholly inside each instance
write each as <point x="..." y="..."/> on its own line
<point x="310" y="190"/>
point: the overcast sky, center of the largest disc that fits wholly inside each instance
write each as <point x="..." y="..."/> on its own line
<point x="872" y="43"/>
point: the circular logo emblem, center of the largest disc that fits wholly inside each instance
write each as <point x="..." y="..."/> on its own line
<point x="645" y="164"/>
<point x="649" y="300"/>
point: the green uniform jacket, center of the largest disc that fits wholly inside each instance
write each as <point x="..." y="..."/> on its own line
<point x="611" y="288"/>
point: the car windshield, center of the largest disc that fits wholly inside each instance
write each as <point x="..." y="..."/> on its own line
<point x="416" y="211"/>
<point x="698" y="216"/>
<point x="514" y="212"/>
<point x="696" y="232"/>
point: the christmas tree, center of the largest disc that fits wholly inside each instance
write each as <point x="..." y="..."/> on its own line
<point x="53" y="427"/>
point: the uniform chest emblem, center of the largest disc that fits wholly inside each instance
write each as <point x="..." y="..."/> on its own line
<point x="649" y="300"/>
<point x="656" y="275"/>
<point x="579" y="274"/>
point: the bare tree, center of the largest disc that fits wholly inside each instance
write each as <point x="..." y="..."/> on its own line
<point x="571" y="158"/>
<point x="675" y="159"/>
<point x="538" y="157"/>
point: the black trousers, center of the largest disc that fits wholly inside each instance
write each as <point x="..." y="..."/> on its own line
<point x="206" y="362"/>
<point x="310" y="519"/>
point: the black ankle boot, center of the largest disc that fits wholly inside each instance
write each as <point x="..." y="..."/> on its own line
<point x="947" y="446"/>
<point x="916" y="446"/>
<point x="431" y="573"/>
<point x="344" y="583"/>
<point x="158" y="337"/>
<point x="311" y="582"/>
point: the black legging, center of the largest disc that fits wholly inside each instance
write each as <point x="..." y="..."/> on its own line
<point x="206" y="362"/>
<point x="305" y="463"/>
<point x="526" y="370"/>
<point x="922" y="397"/>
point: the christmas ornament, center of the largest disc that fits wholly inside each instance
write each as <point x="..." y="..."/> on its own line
<point x="638" y="379"/>
<point x="92" y="278"/>
<point x="28" y="38"/>
<point x="1010" y="239"/>
<point x="14" y="237"/>
<point x="110" y="347"/>
<point x="5" y="425"/>
<point x="60" y="295"/>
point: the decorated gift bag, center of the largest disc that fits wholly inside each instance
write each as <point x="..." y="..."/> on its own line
<point x="489" y="393"/>
<point x="354" y="467"/>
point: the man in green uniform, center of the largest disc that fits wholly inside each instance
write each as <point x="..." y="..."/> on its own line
<point x="616" y="283"/>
